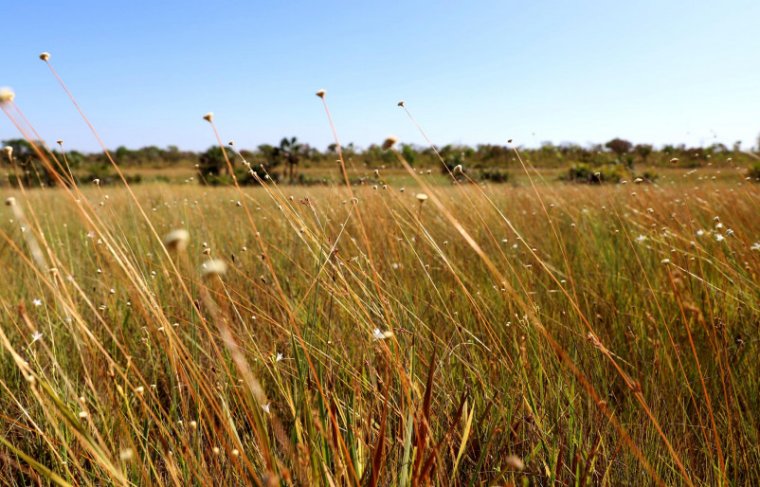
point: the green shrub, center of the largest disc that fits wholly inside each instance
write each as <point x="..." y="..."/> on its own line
<point x="586" y="174"/>
<point x="754" y="172"/>
<point x="494" y="175"/>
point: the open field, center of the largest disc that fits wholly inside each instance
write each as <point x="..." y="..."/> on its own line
<point x="487" y="335"/>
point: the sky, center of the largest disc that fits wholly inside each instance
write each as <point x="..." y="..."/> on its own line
<point x="470" y="72"/>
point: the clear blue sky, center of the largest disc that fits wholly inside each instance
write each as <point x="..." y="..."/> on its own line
<point x="471" y="72"/>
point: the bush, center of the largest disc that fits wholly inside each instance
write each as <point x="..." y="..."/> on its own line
<point x="494" y="175"/>
<point x="585" y="174"/>
<point x="754" y="172"/>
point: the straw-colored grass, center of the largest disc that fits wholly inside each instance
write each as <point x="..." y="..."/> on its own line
<point x="483" y="336"/>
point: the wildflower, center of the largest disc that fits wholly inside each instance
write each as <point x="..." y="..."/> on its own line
<point x="6" y="95"/>
<point x="401" y="103"/>
<point x="755" y="246"/>
<point x="674" y="160"/>
<point x="176" y="240"/>
<point x="458" y="169"/>
<point x="665" y="261"/>
<point x="8" y="151"/>
<point x="139" y="390"/>
<point x="37" y="302"/>
<point x="700" y="232"/>
<point x="83" y="414"/>
<point x="421" y="197"/>
<point x="381" y="335"/>
<point x="719" y="237"/>
<point x="389" y="142"/>
<point x="96" y="182"/>
<point x="266" y="407"/>
<point x="45" y="56"/>
<point x="126" y="454"/>
<point x="37" y="336"/>
<point x="209" y="117"/>
<point x="235" y="452"/>
<point x="213" y="267"/>
<point x="216" y="450"/>
<point x="278" y="357"/>
<point x="641" y="238"/>
<point x="321" y="93"/>
<point x="59" y="142"/>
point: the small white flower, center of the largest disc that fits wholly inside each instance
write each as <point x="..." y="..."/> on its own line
<point x="213" y="267"/>
<point x="755" y="246"/>
<point x="177" y="239"/>
<point x="719" y="237"/>
<point x="641" y="238"/>
<point x="700" y="232"/>
<point x="37" y="302"/>
<point x="381" y="335"/>
<point x="266" y="407"/>
<point x="36" y="336"/>
<point x="278" y="357"/>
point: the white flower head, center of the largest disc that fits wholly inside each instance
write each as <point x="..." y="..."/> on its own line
<point x="377" y="334"/>
<point x="421" y="197"/>
<point x="37" y="302"/>
<point x="36" y="336"/>
<point x="176" y="240"/>
<point x="6" y="95"/>
<point x="213" y="267"/>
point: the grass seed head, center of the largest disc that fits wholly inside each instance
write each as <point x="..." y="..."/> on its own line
<point x="6" y="95"/>
<point x="515" y="462"/>
<point x="213" y="267"/>
<point x="389" y="142"/>
<point x="176" y="240"/>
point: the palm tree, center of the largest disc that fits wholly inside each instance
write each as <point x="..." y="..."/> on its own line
<point x="290" y="151"/>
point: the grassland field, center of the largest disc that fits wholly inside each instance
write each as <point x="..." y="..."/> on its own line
<point x="530" y="333"/>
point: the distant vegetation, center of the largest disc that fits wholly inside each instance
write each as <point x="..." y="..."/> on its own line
<point x="614" y="161"/>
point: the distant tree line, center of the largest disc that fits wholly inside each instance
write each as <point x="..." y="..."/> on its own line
<point x="284" y="161"/>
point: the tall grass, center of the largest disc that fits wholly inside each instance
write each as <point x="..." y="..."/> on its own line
<point x="358" y="335"/>
<point x="275" y="369"/>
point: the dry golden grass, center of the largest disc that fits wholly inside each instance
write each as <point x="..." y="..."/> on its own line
<point x="487" y="335"/>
